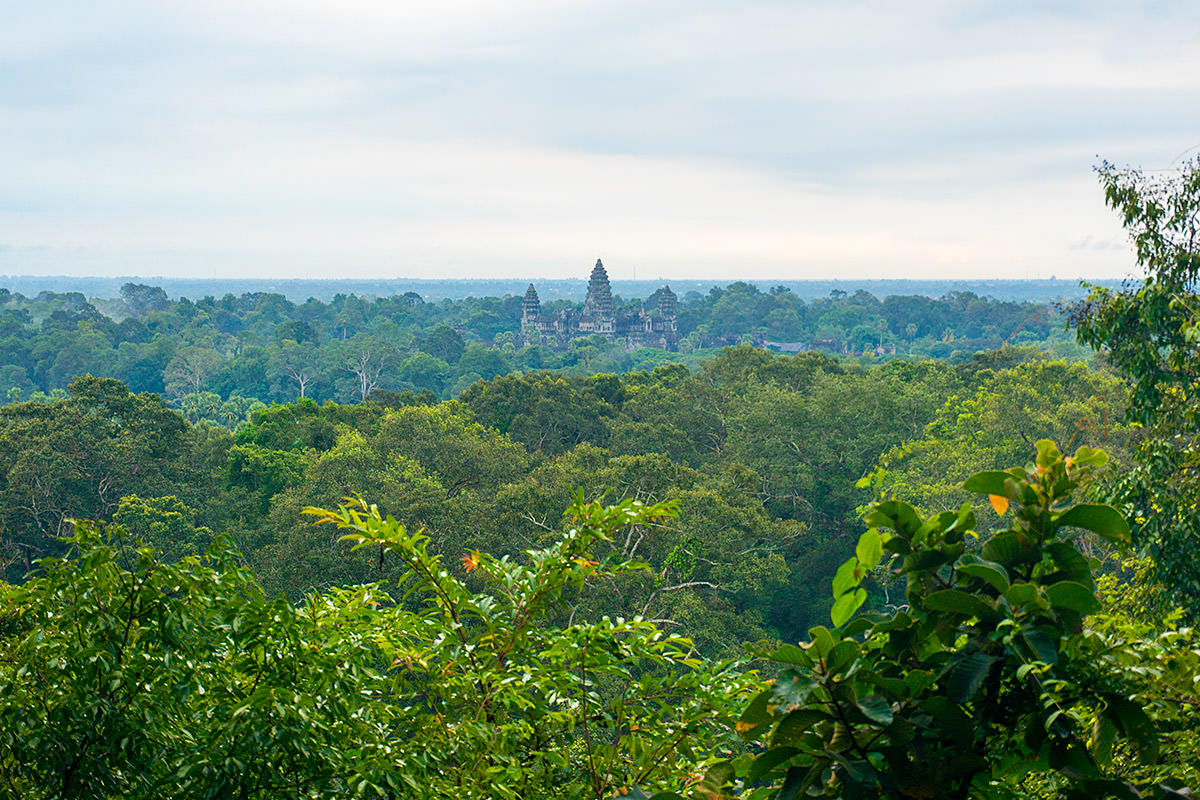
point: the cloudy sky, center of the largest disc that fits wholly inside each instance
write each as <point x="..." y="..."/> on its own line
<point x="675" y="138"/>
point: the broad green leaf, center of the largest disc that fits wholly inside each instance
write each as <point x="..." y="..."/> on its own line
<point x="967" y="675"/>
<point x="1009" y="547"/>
<point x="876" y="708"/>
<point x="1047" y="453"/>
<point x="1024" y="594"/>
<point x="767" y="762"/>
<point x="1041" y="645"/>
<point x="870" y="549"/>
<point x="990" y="482"/>
<point x="790" y="654"/>
<point x="848" y="575"/>
<point x="791" y="690"/>
<point x="965" y="520"/>
<point x="845" y="606"/>
<point x="1072" y="595"/>
<point x="1104" y="733"/>
<point x="1071" y="562"/>
<point x="860" y="776"/>
<point x="841" y="656"/>
<point x="858" y="626"/>
<point x="634" y="793"/>
<point x="796" y="781"/>
<point x="923" y="560"/>
<point x="1103" y="520"/>
<point x="991" y="572"/>
<point x="893" y="687"/>
<point x="955" y="724"/>
<point x="1135" y="725"/>
<point x="1091" y="457"/>
<point x="894" y="514"/>
<point x="822" y="639"/>
<point x="756" y="716"/>
<point x="959" y="602"/>
<point x="796" y="724"/>
<point x="939" y="523"/>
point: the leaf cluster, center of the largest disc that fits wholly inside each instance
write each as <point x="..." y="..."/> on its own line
<point x="983" y="680"/>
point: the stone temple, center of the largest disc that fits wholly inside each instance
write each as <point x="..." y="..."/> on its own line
<point x="599" y="317"/>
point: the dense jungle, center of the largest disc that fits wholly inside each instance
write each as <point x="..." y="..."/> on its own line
<point x="373" y="548"/>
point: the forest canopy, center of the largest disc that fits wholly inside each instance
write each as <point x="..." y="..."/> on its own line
<point x="746" y="574"/>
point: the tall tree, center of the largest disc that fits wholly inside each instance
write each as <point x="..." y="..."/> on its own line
<point x="1150" y="331"/>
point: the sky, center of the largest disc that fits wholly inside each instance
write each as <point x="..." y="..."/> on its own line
<point x="675" y="138"/>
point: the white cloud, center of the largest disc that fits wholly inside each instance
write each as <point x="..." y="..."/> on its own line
<point x="697" y="139"/>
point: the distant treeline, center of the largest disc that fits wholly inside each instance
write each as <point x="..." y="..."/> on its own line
<point x="433" y="289"/>
<point x="218" y="357"/>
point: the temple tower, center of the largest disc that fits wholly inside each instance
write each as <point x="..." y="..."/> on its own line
<point x="668" y="304"/>
<point x="599" y="302"/>
<point x="531" y="307"/>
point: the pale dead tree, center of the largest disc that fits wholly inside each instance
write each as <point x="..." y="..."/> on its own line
<point x="190" y="369"/>
<point x="296" y="363"/>
<point x="301" y="376"/>
<point x="367" y="370"/>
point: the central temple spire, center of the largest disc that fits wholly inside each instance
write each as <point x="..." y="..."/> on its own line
<point x="599" y="302"/>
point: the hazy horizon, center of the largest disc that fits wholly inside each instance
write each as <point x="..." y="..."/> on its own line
<point x="550" y="289"/>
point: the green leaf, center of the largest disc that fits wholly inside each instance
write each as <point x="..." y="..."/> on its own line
<point x="1135" y="725"/>
<point x="1103" y="520"/>
<point x="848" y="576"/>
<point x="860" y="776"/>
<point x="841" y="656"/>
<point x="635" y="793"/>
<point x="767" y="762"/>
<point x="923" y="560"/>
<point x="790" y="654"/>
<point x="1041" y="645"/>
<point x="988" y="571"/>
<point x="959" y="602"/>
<point x="1090" y="457"/>
<point x="1071" y="562"/>
<point x="796" y="724"/>
<point x="756" y="716"/>
<point x="1104" y="733"/>
<point x="990" y="482"/>
<point x="1025" y="594"/>
<point x="876" y="708"/>
<point x="791" y="689"/>
<point x="894" y="514"/>
<point x="870" y="549"/>
<point x="1072" y="595"/>
<point x="795" y="782"/>
<point x="845" y="606"/>
<point x="955" y="724"/>
<point x="1047" y="453"/>
<point x="967" y="675"/>
<point x="822" y="639"/>
<point x="939" y="523"/>
<point x="1009" y="547"/>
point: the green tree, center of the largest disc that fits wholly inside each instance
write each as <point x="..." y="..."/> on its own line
<point x="78" y="456"/>
<point x="985" y="683"/>
<point x="995" y="424"/>
<point x="166" y="524"/>
<point x="190" y="370"/>
<point x="1149" y="331"/>
<point x="124" y="676"/>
